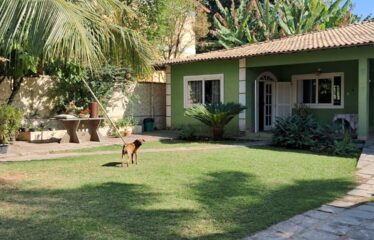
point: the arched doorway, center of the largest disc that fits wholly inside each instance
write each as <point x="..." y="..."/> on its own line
<point x="272" y="100"/>
<point x="265" y="101"/>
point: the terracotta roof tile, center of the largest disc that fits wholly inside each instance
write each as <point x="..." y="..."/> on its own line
<point x="351" y="35"/>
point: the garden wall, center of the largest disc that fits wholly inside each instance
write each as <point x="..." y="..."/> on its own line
<point x="143" y="100"/>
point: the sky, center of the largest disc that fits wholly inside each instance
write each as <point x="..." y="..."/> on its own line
<point x="363" y="7"/>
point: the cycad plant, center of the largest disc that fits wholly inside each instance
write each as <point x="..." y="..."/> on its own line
<point x="216" y="115"/>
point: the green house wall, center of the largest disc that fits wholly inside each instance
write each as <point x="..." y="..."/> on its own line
<point x="284" y="73"/>
<point x="230" y="70"/>
<point x="371" y="104"/>
<point x="353" y="62"/>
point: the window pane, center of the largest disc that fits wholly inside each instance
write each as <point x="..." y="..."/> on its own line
<point x="309" y="91"/>
<point x="195" y="89"/>
<point x="212" y="91"/>
<point x="324" y="90"/>
<point x="337" y="97"/>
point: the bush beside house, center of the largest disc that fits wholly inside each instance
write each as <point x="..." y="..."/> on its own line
<point x="303" y="131"/>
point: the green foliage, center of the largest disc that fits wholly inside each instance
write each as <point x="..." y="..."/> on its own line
<point x="22" y="63"/>
<point x="163" y="23"/>
<point x="234" y="25"/>
<point x="346" y="147"/>
<point x="216" y="115"/>
<point x="91" y="33"/>
<point x="300" y="16"/>
<point x="303" y="131"/>
<point x="128" y="121"/>
<point x="10" y="122"/>
<point x="260" y="20"/>
<point x="186" y="133"/>
<point x="69" y="86"/>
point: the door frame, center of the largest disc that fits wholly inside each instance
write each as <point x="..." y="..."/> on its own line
<point x="267" y="78"/>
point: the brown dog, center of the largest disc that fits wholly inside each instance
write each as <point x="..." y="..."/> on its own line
<point x="131" y="150"/>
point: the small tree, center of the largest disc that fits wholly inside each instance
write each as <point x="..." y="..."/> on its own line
<point x="216" y="115"/>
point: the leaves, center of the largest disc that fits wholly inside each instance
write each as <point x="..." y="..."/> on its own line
<point x="215" y="115"/>
<point x="262" y="21"/>
<point x="91" y="33"/>
<point x="10" y="122"/>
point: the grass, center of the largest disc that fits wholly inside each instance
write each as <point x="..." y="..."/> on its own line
<point x="210" y="194"/>
<point x="155" y="144"/>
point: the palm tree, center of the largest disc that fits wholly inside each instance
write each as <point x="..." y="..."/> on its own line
<point x="89" y="32"/>
<point x="216" y="115"/>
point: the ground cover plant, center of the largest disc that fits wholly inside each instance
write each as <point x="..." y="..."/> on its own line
<point x="207" y="194"/>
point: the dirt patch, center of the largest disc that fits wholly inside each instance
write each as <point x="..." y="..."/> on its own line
<point x="12" y="177"/>
<point x="9" y="181"/>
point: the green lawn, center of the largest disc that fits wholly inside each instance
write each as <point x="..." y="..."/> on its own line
<point x="210" y="194"/>
<point x="156" y="144"/>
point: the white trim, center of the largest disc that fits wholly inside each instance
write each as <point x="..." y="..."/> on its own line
<point x="242" y="73"/>
<point x="256" y="107"/>
<point x="270" y="79"/>
<point x="168" y="96"/>
<point x="270" y="74"/>
<point x="202" y="78"/>
<point x="317" y="105"/>
<point x="242" y="63"/>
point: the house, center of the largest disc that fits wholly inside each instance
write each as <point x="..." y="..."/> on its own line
<point x="327" y="70"/>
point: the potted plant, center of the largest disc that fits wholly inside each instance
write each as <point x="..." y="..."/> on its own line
<point x="129" y="123"/>
<point x="10" y="122"/>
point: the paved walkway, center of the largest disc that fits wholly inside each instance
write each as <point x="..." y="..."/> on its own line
<point x="20" y="151"/>
<point x="348" y="218"/>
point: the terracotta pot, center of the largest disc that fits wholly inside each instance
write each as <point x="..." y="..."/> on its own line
<point x="94" y="109"/>
<point x="217" y="133"/>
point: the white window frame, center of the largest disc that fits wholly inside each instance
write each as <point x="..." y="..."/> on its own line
<point x="202" y="78"/>
<point x="296" y="78"/>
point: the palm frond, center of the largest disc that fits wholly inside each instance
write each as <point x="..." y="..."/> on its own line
<point x="88" y="32"/>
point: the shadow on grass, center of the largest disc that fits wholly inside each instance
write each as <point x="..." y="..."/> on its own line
<point x="108" y="211"/>
<point x="295" y="150"/>
<point x="241" y="205"/>
<point x="112" y="164"/>
<point x="236" y="203"/>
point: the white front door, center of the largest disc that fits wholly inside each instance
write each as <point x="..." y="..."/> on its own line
<point x="283" y="101"/>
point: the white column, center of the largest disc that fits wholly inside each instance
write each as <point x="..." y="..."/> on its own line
<point x="242" y="93"/>
<point x="168" y="96"/>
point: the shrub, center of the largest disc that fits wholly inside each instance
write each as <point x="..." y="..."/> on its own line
<point x="345" y="147"/>
<point x="216" y="115"/>
<point x="186" y="133"/>
<point x="303" y="131"/>
<point x="10" y="122"/>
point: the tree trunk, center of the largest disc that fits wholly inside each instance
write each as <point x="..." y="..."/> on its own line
<point x="16" y="87"/>
<point x="217" y="133"/>
<point x="2" y="79"/>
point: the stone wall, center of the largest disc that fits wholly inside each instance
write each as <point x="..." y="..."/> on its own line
<point x="142" y="99"/>
<point x="148" y="100"/>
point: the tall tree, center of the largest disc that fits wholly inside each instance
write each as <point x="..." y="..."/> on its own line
<point x="263" y="20"/>
<point x="168" y="24"/>
<point x="301" y="16"/>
